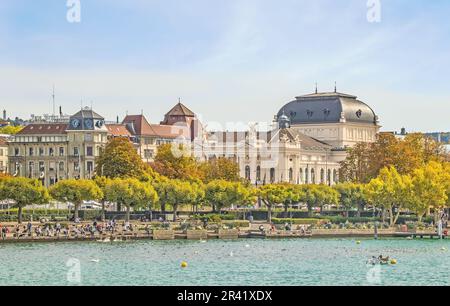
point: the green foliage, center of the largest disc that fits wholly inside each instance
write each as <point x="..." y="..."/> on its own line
<point x="76" y="191"/>
<point x="305" y="221"/>
<point x="221" y="194"/>
<point x="120" y="159"/>
<point x="131" y="193"/>
<point x="10" y="129"/>
<point x="23" y="192"/>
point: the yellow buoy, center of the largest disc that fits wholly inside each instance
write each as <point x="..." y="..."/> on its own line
<point x="184" y="264"/>
<point x="393" y="261"/>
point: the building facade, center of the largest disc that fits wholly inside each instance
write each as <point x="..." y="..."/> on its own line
<point x="305" y="146"/>
<point x="4" y="154"/>
<point x="56" y="151"/>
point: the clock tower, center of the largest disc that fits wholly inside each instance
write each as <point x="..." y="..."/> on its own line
<point x="87" y="135"/>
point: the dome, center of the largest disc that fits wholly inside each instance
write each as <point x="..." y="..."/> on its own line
<point x="332" y="107"/>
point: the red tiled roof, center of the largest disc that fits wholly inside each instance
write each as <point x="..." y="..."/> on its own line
<point x="180" y="110"/>
<point x="3" y="141"/>
<point x="44" y="129"/>
<point x="139" y="123"/>
<point x="118" y="130"/>
<point x="169" y="131"/>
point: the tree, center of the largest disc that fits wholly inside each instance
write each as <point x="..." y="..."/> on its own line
<point x="221" y="194"/>
<point x="318" y="196"/>
<point x="131" y="193"/>
<point x="294" y="194"/>
<point x="221" y="169"/>
<point x="390" y="191"/>
<point x="175" y="162"/>
<point x="102" y="182"/>
<point x="365" y="160"/>
<point x="23" y="192"/>
<point x="271" y="195"/>
<point x="10" y="129"/>
<point x="351" y="196"/>
<point x="76" y="191"/>
<point x="120" y="159"/>
<point x="430" y="190"/>
<point x="180" y="193"/>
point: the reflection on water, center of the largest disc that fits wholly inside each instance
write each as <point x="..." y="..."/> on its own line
<point x="253" y="262"/>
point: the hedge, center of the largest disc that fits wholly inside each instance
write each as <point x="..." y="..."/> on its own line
<point x="305" y="221"/>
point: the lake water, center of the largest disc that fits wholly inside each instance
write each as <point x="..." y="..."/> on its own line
<point x="218" y="262"/>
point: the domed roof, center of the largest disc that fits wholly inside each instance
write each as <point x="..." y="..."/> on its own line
<point x="328" y="108"/>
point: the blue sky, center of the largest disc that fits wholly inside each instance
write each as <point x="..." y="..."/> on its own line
<point x="229" y="60"/>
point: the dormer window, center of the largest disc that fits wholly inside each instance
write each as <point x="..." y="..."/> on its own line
<point x="309" y="113"/>
<point x="359" y="113"/>
<point x="326" y="112"/>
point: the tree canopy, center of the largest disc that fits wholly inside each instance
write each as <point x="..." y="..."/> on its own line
<point x="120" y="159"/>
<point x="23" y="192"/>
<point x="76" y="191"/>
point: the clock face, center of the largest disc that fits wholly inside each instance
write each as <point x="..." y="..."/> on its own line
<point x="89" y="123"/>
<point x="75" y="123"/>
<point x="99" y="123"/>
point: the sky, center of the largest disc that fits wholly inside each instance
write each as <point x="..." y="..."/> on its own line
<point x="228" y="60"/>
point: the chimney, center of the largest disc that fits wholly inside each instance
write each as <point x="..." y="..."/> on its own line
<point x="60" y="111"/>
<point x="117" y="120"/>
<point x="4" y="114"/>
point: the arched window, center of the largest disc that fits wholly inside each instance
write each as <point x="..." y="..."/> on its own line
<point x="335" y="176"/>
<point x="272" y="175"/>
<point x="291" y="175"/>
<point x="300" y="175"/>
<point x="313" y="176"/>
<point x="247" y="173"/>
<point x="329" y="177"/>
<point x="322" y="176"/>
<point x="306" y="176"/>
<point x="258" y="173"/>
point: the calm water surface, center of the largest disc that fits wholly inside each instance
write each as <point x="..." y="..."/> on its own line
<point x="242" y="262"/>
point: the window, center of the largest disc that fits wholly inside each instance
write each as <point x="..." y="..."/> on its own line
<point x="322" y="176"/>
<point x="76" y="166"/>
<point x="61" y="166"/>
<point x="41" y="151"/>
<point x="247" y="173"/>
<point x="301" y="176"/>
<point x="76" y="152"/>
<point x="89" y="151"/>
<point x="272" y="175"/>
<point x="258" y="173"/>
<point x="30" y="151"/>
<point x="90" y="167"/>
<point x="51" y="166"/>
<point x="148" y="153"/>
<point x="291" y="175"/>
<point x="41" y="166"/>
<point x="88" y="137"/>
<point x="51" y="151"/>
<point x="31" y="168"/>
<point x="61" y="151"/>
<point x="1" y="152"/>
<point x="313" y="176"/>
<point x="16" y="151"/>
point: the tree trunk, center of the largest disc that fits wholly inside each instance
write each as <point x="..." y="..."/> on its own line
<point x="19" y="216"/>
<point x="310" y="211"/>
<point x="269" y="213"/>
<point x="119" y="207"/>
<point x="358" y="211"/>
<point x="347" y="213"/>
<point x="77" y="207"/>
<point x="214" y="208"/>
<point x="103" y="217"/>
<point x="175" y="208"/>
<point x="127" y="215"/>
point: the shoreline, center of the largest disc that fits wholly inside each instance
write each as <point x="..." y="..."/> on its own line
<point x="173" y="235"/>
